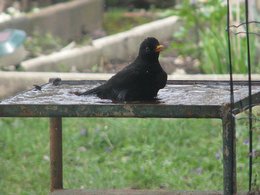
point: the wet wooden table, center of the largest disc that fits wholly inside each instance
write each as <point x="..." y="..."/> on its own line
<point x="179" y="99"/>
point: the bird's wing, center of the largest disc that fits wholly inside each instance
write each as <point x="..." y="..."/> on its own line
<point x="119" y="83"/>
<point x="125" y="78"/>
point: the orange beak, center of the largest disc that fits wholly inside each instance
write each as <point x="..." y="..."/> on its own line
<point x="159" y="48"/>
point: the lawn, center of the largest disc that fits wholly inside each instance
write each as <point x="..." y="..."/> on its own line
<point x="118" y="153"/>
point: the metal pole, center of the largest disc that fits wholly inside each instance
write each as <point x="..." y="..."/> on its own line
<point x="229" y="152"/>
<point x="229" y="131"/>
<point x="250" y="98"/>
<point x="56" y="153"/>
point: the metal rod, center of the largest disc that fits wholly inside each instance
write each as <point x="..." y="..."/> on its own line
<point x="229" y="152"/>
<point x="250" y="163"/>
<point x="251" y="33"/>
<point x="230" y="60"/>
<point x="56" y="153"/>
<point x="243" y="23"/>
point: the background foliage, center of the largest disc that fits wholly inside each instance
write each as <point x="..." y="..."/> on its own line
<point x="205" y="26"/>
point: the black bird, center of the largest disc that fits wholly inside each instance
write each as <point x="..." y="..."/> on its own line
<point x="140" y="80"/>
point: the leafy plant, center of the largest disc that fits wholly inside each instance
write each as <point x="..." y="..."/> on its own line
<point x="115" y="21"/>
<point x="205" y="26"/>
<point x="38" y="44"/>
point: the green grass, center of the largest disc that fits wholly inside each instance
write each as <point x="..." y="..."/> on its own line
<point x="118" y="153"/>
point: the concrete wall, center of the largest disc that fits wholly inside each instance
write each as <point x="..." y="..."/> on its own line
<point x="121" y="46"/>
<point x="65" y="20"/>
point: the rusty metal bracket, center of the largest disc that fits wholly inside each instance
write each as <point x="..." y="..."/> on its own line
<point x="229" y="151"/>
<point x="56" y="153"/>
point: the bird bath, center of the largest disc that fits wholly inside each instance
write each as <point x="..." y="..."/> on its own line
<point x="179" y="99"/>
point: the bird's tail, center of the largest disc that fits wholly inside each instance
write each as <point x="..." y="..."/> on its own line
<point x="91" y="91"/>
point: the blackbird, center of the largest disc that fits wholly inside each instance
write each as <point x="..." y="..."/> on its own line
<point x="140" y="80"/>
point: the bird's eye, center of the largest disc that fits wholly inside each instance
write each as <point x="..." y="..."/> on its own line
<point x="147" y="49"/>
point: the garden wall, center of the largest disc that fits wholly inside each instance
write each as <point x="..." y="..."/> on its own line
<point x="121" y="46"/>
<point x="65" y="20"/>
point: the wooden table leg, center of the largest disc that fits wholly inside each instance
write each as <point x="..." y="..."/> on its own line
<point x="56" y="153"/>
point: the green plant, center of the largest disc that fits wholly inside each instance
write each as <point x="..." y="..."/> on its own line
<point x="116" y="21"/>
<point x="195" y="17"/>
<point x="204" y="24"/>
<point x="214" y="57"/>
<point x="39" y="44"/>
